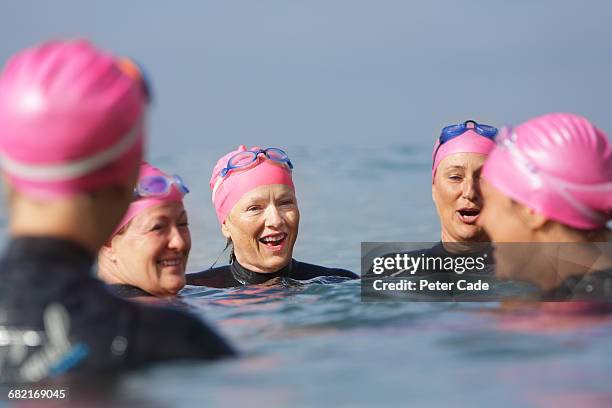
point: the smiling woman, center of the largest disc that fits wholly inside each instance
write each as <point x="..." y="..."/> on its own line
<point x="255" y="201"/>
<point x="147" y="253"/>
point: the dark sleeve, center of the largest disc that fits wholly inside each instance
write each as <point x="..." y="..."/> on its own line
<point x="163" y="334"/>
<point x="305" y="271"/>
<point x="220" y="277"/>
<point x="343" y="273"/>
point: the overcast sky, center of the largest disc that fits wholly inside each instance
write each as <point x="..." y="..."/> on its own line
<point x="337" y="72"/>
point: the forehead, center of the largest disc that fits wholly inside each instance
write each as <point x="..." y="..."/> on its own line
<point x="167" y="209"/>
<point x="469" y="161"/>
<point x="266" y="192"/>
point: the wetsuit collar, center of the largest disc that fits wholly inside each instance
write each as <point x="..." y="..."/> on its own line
<point x="124" y="290"/>
<point x="440" y="250"/>
<point x="248" y="277"/>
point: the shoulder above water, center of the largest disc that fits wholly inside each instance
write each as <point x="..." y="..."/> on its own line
<point x="235" y="275"/>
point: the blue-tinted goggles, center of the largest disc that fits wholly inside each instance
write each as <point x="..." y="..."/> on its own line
<point x="452" y="131"/>
<point x="159" y="186"/>
<point x="248" y="157"/>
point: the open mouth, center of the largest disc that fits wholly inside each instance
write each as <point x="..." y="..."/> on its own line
<point x="468" y="215"/>
<point x="274" y="240"/>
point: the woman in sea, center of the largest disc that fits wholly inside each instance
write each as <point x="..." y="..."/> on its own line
<point x="548" y="191"/>
<point x="147" y="253"/>
<point x="257" y="208"/>
<point x="457" y="158"/>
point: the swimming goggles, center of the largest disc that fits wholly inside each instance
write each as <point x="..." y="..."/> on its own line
<point x="248" y="157"/>
<point x="137" y="72"/>
<point x="452" y="131"/>
<point x="159" y="186"/>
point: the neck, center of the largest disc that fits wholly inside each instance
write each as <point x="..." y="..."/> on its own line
<point x="61" y="219"/>
<point x="446" y="237"/>
<point x="555" y="232"/>
<point x="86" y="218"/>
<point x="252" y="268"/>
<point x="247" y="276"/>
<point x="81" y="234"/>
<point x="465" y="247"/>
<point x="106" y="273"/>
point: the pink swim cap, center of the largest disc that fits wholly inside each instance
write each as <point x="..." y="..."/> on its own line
<point x="228" y="190"/>
<point x="468" y="142"/>
<point x="136" y="207"/>
<point x="70" y="119"/>
<point x="560" y="165"/>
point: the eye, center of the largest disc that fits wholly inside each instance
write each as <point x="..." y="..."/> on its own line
<point x="253" y="208"/>
<point x="455" y="177"/>
<point x="157" y="227"/>
<point x="183" y="224"/>
<point x="285" y="202"/>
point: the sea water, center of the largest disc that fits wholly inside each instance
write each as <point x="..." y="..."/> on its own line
<point x="310" y="344"/>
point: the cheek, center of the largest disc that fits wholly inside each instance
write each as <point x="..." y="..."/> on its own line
<point x="152" y="247"/>
<point x="186" y="236"/>
<point x="187" y="240"/>
<point x="447" y="193"/>
<point x="244" y="239"/>
<point x="293" y="219"/>
<point x="246" y="228"/>
<point x="500" y="225"/>
<point x="130" y="251"/>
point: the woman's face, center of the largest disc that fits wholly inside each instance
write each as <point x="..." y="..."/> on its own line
<point x="152" y="251"/>
<point x="501" y="218"/>
<point x="263" y="226"/>
<point x="504" y="222"/>
<point x="456" y="194"/>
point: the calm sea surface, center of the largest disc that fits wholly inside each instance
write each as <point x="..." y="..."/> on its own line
<point x="319" y="345"/>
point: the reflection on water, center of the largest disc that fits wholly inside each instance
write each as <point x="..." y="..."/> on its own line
<point x="310" y="344"/>
<point x="313" y="344"/>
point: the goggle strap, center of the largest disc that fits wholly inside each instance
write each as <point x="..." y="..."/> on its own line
<point x="216" y="187"/>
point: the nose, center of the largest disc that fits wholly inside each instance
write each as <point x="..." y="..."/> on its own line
<point x="274" y="217"/>
<point x="471" y="189"/>
<point x="179" y="240"/>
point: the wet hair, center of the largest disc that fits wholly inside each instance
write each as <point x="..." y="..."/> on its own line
<point x="232" y="255"/>
<point x="599" y="235"/>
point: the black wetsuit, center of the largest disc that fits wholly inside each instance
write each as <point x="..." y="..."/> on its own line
<point x="596" y="286"/>
<point x="57" y="320"/>
<point x="235" y="274"/>
<point x="127" y="291"/>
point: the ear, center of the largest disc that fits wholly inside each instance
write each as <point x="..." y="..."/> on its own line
<point x="108" y="251"/>
<point x="225" y="229"/>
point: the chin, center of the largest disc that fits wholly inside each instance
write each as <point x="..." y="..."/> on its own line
<point x="174" y="286"/>
<point x="276" y="263"/>
<point x="472" y="233"/>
